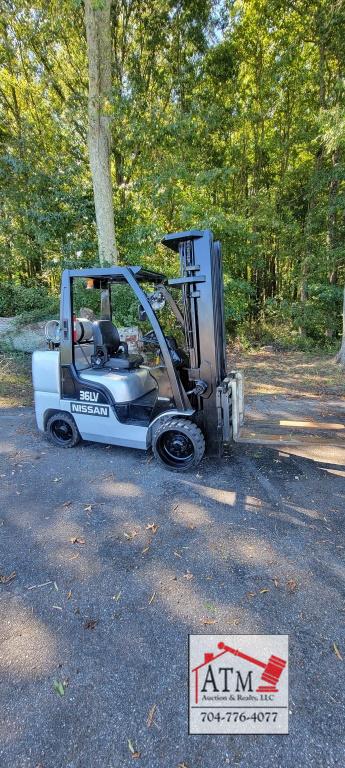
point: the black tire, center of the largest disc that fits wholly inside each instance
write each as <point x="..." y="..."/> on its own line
<point x="178" y="444"/>
<point x="62" y="431"/>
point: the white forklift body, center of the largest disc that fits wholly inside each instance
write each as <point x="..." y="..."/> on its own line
<point x="95" y="419"/>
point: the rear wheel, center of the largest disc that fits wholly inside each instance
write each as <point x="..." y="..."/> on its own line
<point x="178" y="444"/>
<point x="62" y="431"/>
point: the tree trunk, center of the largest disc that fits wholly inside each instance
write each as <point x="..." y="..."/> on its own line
<point x="97" y="23"/>
<point x="303" y="296"/>
<point x="341" y="354"/>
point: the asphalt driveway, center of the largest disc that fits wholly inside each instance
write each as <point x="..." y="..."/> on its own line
<point x="109" y="563"/>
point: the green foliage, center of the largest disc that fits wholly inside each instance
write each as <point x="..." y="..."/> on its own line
<point x="321" y="311"/>
<point x="238" y="295"/>
<point x="124" y="303"/>
<point x="224" y="115"/>
<point x="33" y="302"/>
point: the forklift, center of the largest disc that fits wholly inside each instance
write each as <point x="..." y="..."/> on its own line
<point x="181" y="404"/>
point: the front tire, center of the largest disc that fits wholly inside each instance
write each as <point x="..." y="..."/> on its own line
<point x="62" y="431"/>
<point x="178" y="444"/>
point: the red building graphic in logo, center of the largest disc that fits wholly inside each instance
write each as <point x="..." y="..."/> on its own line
<point x="272" y="669"/>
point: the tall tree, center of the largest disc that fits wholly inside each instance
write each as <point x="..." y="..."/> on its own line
<point x="99" y="49"/>
<point x="341" y="354"/>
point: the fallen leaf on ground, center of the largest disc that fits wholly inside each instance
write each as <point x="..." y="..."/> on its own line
<point x="152" y="527"/>
<point x="251" y="594"/>
<point x="262" y="591"/>
<point x="69" y="594"/>
<point x="275" y="581"/>
<point x="207" y="620"/>
<point x="77" y="540"/>
<point x="59" y="687"/>
<point x="90" y="623"/>
<point x="292" y="585"/>
<point x="182" y="765"/>
<point x="151" y="715"/>
<point x="337" y="652"/>
<point x="7" y="579"/>
<point x="143" y="551"/>
<point x="134" y="752"/>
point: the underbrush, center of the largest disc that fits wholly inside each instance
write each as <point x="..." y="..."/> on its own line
<point x="27" y="302"/>
<point x="283" y="337"/>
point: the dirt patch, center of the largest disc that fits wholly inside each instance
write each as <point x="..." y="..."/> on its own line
<point x="292" y="374"/>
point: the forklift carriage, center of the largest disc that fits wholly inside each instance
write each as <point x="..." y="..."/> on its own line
<point x="87" y="385"/>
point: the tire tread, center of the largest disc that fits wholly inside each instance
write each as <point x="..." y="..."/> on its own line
<point x="195" y="434"/>
<point x="70" y="420"/>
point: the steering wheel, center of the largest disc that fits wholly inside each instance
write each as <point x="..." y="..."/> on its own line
<point x="150" y="338"/>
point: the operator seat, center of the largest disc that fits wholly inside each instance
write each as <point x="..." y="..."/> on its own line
<point x="107" y="339"/>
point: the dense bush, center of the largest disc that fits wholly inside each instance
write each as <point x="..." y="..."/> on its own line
<point x="33" y="301"/>
<point x="315" y="323"/>
<point x="238" y="296"/>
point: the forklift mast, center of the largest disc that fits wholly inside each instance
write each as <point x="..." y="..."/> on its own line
<point x="201" y="283"/>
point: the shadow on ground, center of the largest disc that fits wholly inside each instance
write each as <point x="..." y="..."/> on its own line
<point x="132" y="559"/>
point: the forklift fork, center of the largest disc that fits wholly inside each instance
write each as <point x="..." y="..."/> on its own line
<point x="230" y="406"/>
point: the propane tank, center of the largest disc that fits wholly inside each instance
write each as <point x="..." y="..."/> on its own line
<point x="82" y="329"/>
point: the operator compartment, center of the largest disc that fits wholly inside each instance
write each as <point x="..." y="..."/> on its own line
<point x="126" y="365"/>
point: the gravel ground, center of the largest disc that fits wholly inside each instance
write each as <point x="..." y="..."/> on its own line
<point x="112" y="537"/>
